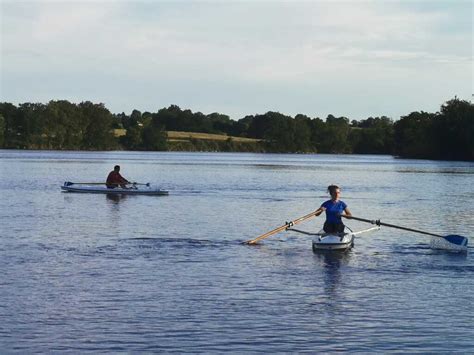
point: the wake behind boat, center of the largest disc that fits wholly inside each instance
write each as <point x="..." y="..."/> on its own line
<point x="100" y="188"/>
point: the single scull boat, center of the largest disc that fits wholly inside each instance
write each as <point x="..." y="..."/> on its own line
<point x="134" y="190"/>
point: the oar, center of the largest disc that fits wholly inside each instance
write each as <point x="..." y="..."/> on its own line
<point x="69" y="183"/>
<point x="280" y="229"/>
<point x="452" y="238"/>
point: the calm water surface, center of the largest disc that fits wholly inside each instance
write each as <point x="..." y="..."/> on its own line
<point x="84" y="272"/>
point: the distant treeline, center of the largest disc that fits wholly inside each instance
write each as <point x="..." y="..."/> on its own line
<point x="447" y="134"/>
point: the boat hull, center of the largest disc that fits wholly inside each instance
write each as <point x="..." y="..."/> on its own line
<point x="334" y="242"/>
<point x="116" y="191"/>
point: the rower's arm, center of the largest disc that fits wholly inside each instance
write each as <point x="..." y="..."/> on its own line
<point x="319" y="211"/>
<point x="347" y="212"/>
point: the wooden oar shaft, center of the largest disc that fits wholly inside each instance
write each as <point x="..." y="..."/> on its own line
<point x="280" y="229"/>
<point x="377" y="222"/>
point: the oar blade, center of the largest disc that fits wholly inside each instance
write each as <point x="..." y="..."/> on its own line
<point x="457" y="239"/>
<point x="454" y="243"/>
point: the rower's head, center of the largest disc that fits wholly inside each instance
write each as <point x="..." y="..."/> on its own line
<point x="117" y="168"/>
<point x="334" y="191"/>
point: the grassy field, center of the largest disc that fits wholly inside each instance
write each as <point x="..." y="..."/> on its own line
<point x="174" y="136"/>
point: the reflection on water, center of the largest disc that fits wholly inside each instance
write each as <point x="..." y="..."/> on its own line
<point x="331" y="263"/>
<point x="115" y="197"/>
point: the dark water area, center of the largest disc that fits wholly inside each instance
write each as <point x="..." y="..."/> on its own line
<point x="95" y="273"/>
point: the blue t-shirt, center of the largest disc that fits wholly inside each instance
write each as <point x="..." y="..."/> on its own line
<point x="333" y="210"/>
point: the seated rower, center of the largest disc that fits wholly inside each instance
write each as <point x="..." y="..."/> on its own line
<point x="114" y="179"/>
<point x="334" y="209"/>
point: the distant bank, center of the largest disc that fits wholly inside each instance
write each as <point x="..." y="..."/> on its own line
<point x="62" y="125"/>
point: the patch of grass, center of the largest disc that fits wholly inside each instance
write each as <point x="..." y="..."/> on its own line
<point x="186" y="136"/>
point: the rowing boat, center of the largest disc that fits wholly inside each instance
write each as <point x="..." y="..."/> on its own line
<point x="334" y="241"/>
<point x="337" y="241"/>
<point x="135" y="190"/>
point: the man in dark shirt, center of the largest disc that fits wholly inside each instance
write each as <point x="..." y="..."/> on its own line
<point x="115" y="179"/>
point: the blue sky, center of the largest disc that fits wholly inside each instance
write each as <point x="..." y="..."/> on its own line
<point x="347" y="58"/>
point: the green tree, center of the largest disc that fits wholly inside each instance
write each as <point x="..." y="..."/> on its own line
<point x="2" y="131"/>
<point x="279" y="136"/>
<point x="259" y="125"/>
<point x="98" y="123"/>
<point x="62" y="125"/>
<point x="241" y="127"/>
<point x="454" y="130"/>
<point x="414" y="135"/>
<point x="30" y="125"/>
<point x="133" y="138"/>
<point x="317" y="129"/>
<point x="372" y="136"/>
<point x="220" y="123"/>
<point x="171" y="118"/>
<point x="302" y="134"/>
<point x="10" y="113"/>
<point x="334" y="135"/>
<point x="135" y="117"/>
<point x="154" y="138"/>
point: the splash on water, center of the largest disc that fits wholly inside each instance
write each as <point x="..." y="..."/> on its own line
<point x="443" y="244"/>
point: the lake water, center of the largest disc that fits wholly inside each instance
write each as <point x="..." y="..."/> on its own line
<point x="85" y="272"/>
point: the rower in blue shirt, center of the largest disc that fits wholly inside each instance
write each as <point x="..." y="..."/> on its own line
<point x="334" y="209"/>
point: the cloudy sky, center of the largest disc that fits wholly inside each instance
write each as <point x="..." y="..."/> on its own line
<point x="347" y="58"/>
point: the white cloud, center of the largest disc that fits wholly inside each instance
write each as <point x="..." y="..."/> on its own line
<point x="251" y="46"/>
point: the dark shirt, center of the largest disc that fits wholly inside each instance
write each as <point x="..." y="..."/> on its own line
<point x="115" y="179"/>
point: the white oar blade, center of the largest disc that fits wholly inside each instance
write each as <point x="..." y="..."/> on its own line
<point x="451" y="242"/>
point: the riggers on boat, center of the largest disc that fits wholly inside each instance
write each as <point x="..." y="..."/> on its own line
<point x="334" y="241"/>
<point x="96" y="188"/>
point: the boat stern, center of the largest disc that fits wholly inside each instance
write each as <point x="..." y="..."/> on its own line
<point x="333" y="242"/>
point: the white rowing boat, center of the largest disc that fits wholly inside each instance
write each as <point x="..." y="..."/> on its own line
<point x="330" y="241"/>
<point x="334" y="241"/>
<point x="337" y="241"/>
<point x="134" y="190"/>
